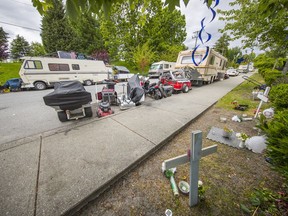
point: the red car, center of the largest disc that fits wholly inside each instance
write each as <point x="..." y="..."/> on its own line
<point x="176" y="79"/>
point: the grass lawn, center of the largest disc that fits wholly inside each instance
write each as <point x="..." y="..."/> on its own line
<point x="243" y="95"/>
<point x="8" y="71"/>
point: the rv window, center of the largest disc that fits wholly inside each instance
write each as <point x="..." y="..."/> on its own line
<point x="166" y="66"/>
<point x="58" y="67"/>
<point x="188" y="59"/>
<point x="33" y="64"/>
<point x="212" y="60"/>
<point x="220" y="62"/>
<point x="75" y="67"/>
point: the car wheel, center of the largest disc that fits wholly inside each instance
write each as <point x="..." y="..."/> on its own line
<point x="62" y="116"/>
<point x="88" y="112"/>
<point x="88" y="82"/>
<point x="40" y="85"/>
<point x="185" y="89"/>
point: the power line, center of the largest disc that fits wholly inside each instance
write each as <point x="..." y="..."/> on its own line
<point x="22" y="2"/>
<point x="21" y="26"/>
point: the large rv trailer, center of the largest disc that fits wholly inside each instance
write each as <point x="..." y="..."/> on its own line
<point x="213" y="67"/>
<point x="42" y="72"/>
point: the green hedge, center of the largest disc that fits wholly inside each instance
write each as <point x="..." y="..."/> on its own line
<point x="276" y="131"/>
<point x="279" y="96"/>
<point x="271" y="76"/>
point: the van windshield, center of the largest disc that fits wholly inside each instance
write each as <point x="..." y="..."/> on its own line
<point x="156" y="66"/>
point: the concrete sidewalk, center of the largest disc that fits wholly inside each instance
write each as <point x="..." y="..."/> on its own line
<point x="56" y="173"/>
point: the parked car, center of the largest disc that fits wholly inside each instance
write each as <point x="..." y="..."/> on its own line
<point x="232" y="72"/>
<point x="176" y="78"/>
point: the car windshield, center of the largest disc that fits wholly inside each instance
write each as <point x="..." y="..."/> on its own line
<point x="178" y="74"/>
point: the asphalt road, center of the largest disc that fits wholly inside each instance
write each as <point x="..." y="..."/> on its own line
<point x="24" y="114"/>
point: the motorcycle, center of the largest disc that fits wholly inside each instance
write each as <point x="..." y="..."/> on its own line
<point x="152" y="90"/>
<point x="166" y="90"/>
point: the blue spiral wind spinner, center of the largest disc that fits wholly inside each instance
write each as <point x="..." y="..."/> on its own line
<point x="200" y="35"/>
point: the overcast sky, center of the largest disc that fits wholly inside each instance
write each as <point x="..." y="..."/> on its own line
<point x="20" y="17"/>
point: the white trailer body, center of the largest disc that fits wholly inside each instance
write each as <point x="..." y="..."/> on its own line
<point x="157" y="68"/>
<point x="245" y="68"/>
<point x="213" y="67"/>
<point x="41" y="72"/>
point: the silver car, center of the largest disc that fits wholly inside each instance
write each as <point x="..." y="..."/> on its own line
<point x="232" y="72"/>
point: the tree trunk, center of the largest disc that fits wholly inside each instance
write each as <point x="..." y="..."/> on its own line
<point x="285" y="69"/>
<point x="275" y="64"/>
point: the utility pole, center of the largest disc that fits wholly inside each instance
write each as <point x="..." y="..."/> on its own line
<point x="195" y="36"/>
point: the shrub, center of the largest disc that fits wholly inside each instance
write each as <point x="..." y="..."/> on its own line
<point x="270" y="76"/>
<point x="279" y="96"/>
<point x="281" y="80"/>
<point x="276" y="131"/>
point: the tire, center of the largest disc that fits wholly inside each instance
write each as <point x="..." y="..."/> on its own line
<point x="62" y="116"/>
<point x="185" y="89"/>
<point x="40" y="85"/>
<point x="157" y="94"/>
<point x="88" y="82"/>
<point x="212" y="79"/>
<point x="200" y="83"/>
<point x="88" y="111"/>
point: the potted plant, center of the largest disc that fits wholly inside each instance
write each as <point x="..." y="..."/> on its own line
<point x="243" y="137"/>
<point x="227" y="132"/>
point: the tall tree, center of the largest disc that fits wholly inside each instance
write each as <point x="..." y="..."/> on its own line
<point x="74" y="8"/>
<point x="126" y="29"/>
<point x="166" y="30"/>
<point x="234" y="54"/>
<point x="87" y="28"/>
<point x="222" y="44"/>
<point x="19" y="47"/>
<point x="3" y="45"/>
<point x="57" y="33"/>
<point x="143" y="56"/>
<point x="36" y="49"/>
<point x="263" y="22"/>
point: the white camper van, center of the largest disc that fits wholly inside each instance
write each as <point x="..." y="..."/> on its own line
<point x="157" y="68"/>
<point x="213" y="67"/>
<point x="41" y="72"/>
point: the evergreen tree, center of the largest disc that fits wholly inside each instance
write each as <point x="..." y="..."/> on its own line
<point x="3" y="45"/>
<point x="57" y="33"/>
<point x="87" y="28"/>
<point x="19" y="47"/>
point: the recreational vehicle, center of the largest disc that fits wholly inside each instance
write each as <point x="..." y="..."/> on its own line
<point x="157" y="68"/>
<point x="245" y="68"/>
<point x="121" y="73"/>
<point x="212" y="68"/>
<point x="42" y="72"/>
